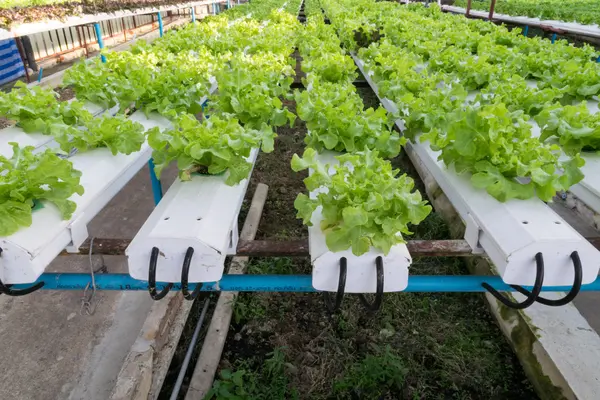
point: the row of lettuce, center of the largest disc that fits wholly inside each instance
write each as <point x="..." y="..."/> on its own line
<point x="480" y="93"/>
<point x="364" y="202"/>
<point x="246" y="50"/>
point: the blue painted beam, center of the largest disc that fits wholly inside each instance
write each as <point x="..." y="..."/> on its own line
<point x="284" y="283"/>
<point x="156" y="185"/>
<point x="160" y="25"/>
<point x="98" y="30"/>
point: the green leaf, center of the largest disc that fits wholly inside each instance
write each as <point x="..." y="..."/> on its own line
<point x="354" y="216"/>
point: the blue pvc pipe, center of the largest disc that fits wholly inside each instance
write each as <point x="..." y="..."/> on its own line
<point x="526" y="30"/>
<point x="40" y="74"/>
<point x="193" y="14"/>
<point x="156" y="186"/>
<point x="284" y="283"/>
<point x="160" y="25"/>
<point x="215" y="8"/>
<point x="553" y="38"/>
<point x="598" y="59"/>
<point x="98" y="30"/>
<point x="228" y="5"/>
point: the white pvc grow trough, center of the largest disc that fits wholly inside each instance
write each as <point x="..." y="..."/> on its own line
<point x="588" y="190"/>
<point x="361" y="276"/>
<point x="202" y="214"/>
<point x="27" y="253"/>
<point x="510" y="233"/>
<point x="570" y="27"/>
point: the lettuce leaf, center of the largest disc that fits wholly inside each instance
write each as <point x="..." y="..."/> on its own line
<point x="27" y="177"/>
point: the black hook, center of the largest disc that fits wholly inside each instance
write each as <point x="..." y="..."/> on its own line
<point x="185" y="270"/>
<point x="339" y="296"/>
<point x="572" y="293"/>
<point x="531" y="296"/>
<point x="376" y="305"/>
<point x="152" y="278"/>
<point x="6" y="289"/>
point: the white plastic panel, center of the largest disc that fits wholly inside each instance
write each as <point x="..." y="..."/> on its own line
<point x="201" y="213"/>
<point x="361" y="274"/>
<point x="28" y="252"/>
<point x="588" y="190"/>
<point x="572" y="27"/>
<point x="511" y="233"/>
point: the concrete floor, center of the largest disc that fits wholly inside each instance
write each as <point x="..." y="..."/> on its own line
<point x="50" y="350"/>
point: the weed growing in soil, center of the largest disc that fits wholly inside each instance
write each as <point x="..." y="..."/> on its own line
<point x="268" y="381"/>
<point x="373" y="375"/>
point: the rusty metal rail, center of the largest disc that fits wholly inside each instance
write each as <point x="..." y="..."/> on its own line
<point x="299" y="247"/>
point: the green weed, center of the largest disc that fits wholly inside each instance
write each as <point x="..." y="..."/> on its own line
<point x="377" y="375"/>
<point x="269" y="381"/>
<point x="248" y="307"/>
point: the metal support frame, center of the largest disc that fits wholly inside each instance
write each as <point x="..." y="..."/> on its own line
<point x="98" y="30"/>
<point x="160" y="24"/>
<point x="23" y="58"/>
<point x="492" y="8"/>
<point x="156" y="185"/>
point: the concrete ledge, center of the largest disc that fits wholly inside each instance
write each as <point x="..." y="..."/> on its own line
<point x="556" y="346"/>
<point x="146" y="365"/>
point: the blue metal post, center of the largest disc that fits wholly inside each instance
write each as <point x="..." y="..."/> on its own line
<point x="214" y="8"/>
<point x="193" y="14"/>
<point x="284" y="283"/>
<point x="553" y="38"/>
<point x="526" y="30"/>
<point x="598" y="59"/>
<point x="40" y="74"/>
<point x="228" y="5"/>
<point x="156" y="186"/>
<point x="98" y="30"/>
<point x="160" y="25"/>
